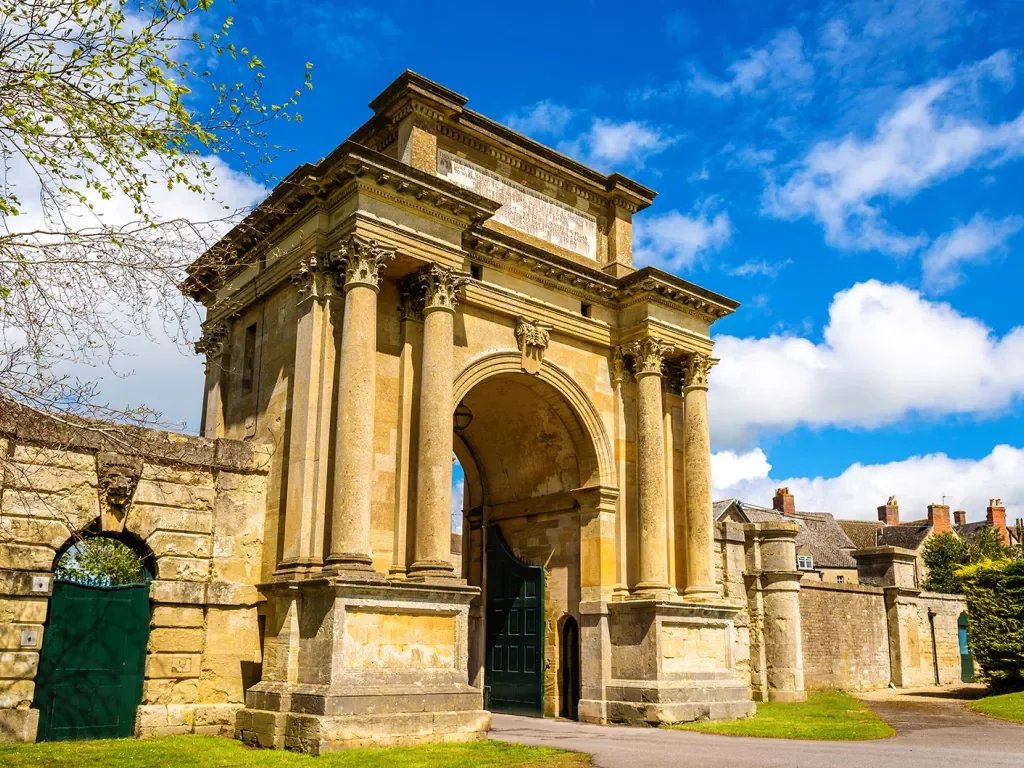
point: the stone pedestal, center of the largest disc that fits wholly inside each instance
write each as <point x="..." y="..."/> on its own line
<point x="669" y="662"/>
<point x="356" y="664"/>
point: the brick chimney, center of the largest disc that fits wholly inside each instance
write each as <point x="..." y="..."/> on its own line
<point x="960" y="518"/>
<point x="995" y="513"/>
<point x="938" y="516"/>
<point x="890" y="513"/>
<point x="784" y="502"/>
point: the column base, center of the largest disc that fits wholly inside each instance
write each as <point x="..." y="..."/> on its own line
<point x="353" y="663"/>
<point x="671" y="661"/>
<point x="433" y="572"/>
<point x="702" y="594"/>
<point x="351" y="567"/>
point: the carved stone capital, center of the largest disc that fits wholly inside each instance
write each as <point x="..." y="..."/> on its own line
<point x="213" y="343"/>
<point x="696" y="369"/>
<point x="532" y="337"/>
<point x="313" y="279"/>
<point x="673" y="376"/>
<point x="359" y="261"/>
<point x="440" y="286"/>
<point x="618" y="367"/>
<point x="648" y="355"/>
<point x="118" y="477"/>
<point x="411" y="296"/>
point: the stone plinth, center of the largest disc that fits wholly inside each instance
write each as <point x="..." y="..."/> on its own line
<point x="350" y="664"/>
<point x="670" y="662"/>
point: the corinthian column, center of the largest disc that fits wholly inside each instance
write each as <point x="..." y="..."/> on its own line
<point x="700" y="534"/>
<point x="312" y="387"/>
<point x="649" y="354"/>
<point x="432" y="550"/>
<point x="357" y="374"/>
<point x="213" y="344"/>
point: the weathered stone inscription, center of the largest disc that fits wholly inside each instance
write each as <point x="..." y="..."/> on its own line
<point x="523" y="209"/>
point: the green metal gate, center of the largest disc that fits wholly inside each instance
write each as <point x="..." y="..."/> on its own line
<point x="514" y="671"/>
<point x="92" y="662"/>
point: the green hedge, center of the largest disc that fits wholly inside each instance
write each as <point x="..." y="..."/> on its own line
<point x="995" y="603"/>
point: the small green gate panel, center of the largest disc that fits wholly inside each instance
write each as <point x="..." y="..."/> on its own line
<point x="92" y="662"/>
<point x="514" y="667"/>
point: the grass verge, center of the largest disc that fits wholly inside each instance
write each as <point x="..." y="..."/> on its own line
<point x="212" y="752"/>
<point x="828" y="716"/>
<point x="1008" y="706"/>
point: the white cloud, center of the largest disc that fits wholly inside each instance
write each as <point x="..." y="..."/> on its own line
<point x="543" y="118"/>
<point x="970" y="243"/>
<point x="856" y="493"/>
<point x="609" y="143"/>
<point x="675" y="241"/>
<point x="929" y="136"/>
<point x="759" y="268"/>
<point x="780" y="66"/>
<point x="887" y="353"/>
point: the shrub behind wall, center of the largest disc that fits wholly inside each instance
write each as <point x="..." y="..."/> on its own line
<point x="995" y="603"/>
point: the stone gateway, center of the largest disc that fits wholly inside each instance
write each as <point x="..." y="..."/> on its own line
<point x="437" y="286"/>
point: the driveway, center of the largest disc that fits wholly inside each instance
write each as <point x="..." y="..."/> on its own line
<point x="933" y="730"/>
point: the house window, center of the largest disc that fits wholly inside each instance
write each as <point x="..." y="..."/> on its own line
<point x="805" y="562"/>
<point x="476" y="271"/>
<point x="840" y="579"/>
<point x="585" y="310"/>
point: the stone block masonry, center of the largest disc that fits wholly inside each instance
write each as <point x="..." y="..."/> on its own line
<point x="198" y="507"/>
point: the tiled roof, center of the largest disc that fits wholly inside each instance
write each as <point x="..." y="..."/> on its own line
<point x="820" y="534"/>
<point x="863" y="533"/>
<point x="720" y="508"/>
<point x="906" y="535"/>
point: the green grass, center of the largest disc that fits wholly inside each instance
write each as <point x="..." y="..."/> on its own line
<point x="212" y="752"/>
<point x="829" y="716"/>
<point x="1009" y="706"/>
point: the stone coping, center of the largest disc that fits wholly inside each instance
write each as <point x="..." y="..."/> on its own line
<point x="73" y="433"/>
<point x="394" y="590"/>
<point x="864" y="589"/>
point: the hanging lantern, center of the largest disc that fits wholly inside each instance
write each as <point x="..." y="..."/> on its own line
<point x="463" y="417"/>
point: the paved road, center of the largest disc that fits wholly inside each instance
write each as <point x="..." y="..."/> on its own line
<point x="931" y="733"/>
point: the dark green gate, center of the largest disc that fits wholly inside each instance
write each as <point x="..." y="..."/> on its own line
<point x="92" y="662"/>
<point x="514" y="672"/>
<point x="966" y="660"/>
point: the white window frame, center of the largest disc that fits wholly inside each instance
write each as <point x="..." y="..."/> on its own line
<point x="805" y="563"/>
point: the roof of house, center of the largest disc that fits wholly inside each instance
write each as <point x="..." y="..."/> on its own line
<point x="863" y="533"/>
<point x="906" y="535"/>
<point x="820" y="534"/>
<point x="968" y="531"/>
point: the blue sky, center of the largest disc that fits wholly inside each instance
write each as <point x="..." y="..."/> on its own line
<point x="851" y="172"/>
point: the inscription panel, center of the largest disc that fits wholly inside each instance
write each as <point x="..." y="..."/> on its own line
<point x="524" y="209"/>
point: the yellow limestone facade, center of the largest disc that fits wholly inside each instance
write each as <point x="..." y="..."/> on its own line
<point x="437" y="261"/>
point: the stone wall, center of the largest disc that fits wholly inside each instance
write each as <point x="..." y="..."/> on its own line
<point x="845" y="637"/>
<point x="198" y="506"/>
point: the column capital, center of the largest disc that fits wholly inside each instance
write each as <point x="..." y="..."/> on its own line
<point x="440" y="286"/>
<point x="619" y="369"/>
<point x="673" y="376"/>
<point x="313" y="279"/>
<point x="648" y="355"/>
<point x="359" y="262"/>
<point x="696" y="369"/>
<point x="213" y="343"/>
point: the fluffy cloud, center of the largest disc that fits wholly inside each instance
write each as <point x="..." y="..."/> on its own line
<point x="970" y="243"/>
<point x="674" y="241"/>
<point x="886" y="353"/>
<point x="545" y="118"/>
<point x="929" y="136"/>
<point x="917" y="482"/>
<point x="609" y="144"/>
<point x="780" y="67"/>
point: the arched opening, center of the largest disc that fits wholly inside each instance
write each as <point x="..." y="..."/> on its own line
<point x="525" y="443"/>
<point x="92" y="662"/>
<point x="570" y="669"/>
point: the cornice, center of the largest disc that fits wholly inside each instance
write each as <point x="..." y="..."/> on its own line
<point x="315" y="184"/>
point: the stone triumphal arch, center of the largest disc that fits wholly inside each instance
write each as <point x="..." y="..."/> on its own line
<point x="440" y="285"/>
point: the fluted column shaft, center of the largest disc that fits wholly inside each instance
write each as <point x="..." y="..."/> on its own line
<point x="312" y="388"/>
<point x="648" y="355"/>
<point x="432" y="550"/>
<point x="350" y="551"/>
<point x="700" y="533"/>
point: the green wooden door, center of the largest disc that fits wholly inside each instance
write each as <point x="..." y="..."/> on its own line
<point x="514" y="672"/>
<point x="92" y="662"/>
